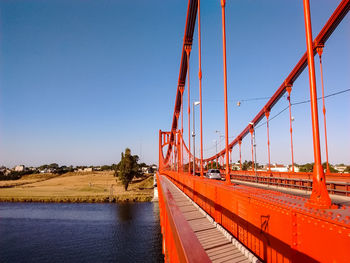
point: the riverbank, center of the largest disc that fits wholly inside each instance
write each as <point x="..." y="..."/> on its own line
<point x="77" y="187"/>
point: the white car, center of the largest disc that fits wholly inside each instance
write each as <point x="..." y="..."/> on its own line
<point x="214" y="174"/>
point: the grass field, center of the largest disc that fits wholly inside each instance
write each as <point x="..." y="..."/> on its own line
<point x="75" y="187"/>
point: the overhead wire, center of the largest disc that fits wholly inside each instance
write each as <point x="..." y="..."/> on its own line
<point x="279" y="113"/>
<point x="302" y="102"/>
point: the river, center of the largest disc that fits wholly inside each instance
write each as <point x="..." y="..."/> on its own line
<point x="63" y="232"/>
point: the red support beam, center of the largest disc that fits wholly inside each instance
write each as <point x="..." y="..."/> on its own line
<point x="319" y="49"/>
<point x="181" y="243"/>
<point x="276" y="227"/>
<point x="289" y="90"/>
<point x="319" y="196"/>
<point x="200" y="83"/>
<point x="227" y="170"/>
<point x="322" y="37"/>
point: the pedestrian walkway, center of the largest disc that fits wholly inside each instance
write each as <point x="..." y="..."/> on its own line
<point x="218" y="247"/>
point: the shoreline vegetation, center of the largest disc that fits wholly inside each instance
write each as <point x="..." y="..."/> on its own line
<point x="76" y="187"/>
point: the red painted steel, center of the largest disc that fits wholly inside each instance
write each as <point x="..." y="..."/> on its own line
<point x="182" y="130"/>
<point x="180" y="243"/>
<point x="319" y="196"/>
<point x="240" y="154"/>
<point x="319" y="50"/>
<point x="188" y="38"/>
<point x="336" y="184"/>
<point x="188" y="51"/>
<point x="251" y="130"/>
<point x="227" y="170"/>
<point x="289" y="90"/>
<point x="332" y="23"/>
<point x="200" y="82"/>
<point x="267" y="114"/>
<point x="327" y="30"/>
<point x="276" y="227"/>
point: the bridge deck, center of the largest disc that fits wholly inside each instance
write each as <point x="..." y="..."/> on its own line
<point x="215" y="244"/>
<point x="336" y="199"/>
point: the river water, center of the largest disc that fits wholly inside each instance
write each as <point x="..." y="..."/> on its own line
<point x="48" y="232"/>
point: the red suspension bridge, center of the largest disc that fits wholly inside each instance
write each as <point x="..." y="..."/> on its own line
<point x="258" y="223"/>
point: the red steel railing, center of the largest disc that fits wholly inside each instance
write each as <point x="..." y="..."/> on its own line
<point x="276" y="227"/>
<point x="179" y="241"/>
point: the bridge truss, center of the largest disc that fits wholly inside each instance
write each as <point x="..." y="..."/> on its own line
<point x="274" y="226"/>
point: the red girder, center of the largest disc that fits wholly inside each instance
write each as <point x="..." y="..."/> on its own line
<point x="276" y="227"/>
<point x="188" y="37"/>
<point x="254" y="216"/>
<point x="321" y="38"/>
<point x="179" y="241"/>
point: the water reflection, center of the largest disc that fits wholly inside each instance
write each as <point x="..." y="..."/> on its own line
<point x="34" y="232"/>
<point x="125" y="212"/>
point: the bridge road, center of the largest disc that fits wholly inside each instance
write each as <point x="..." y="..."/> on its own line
<point x="336" y="199"/>
<point x="214" y="242"/>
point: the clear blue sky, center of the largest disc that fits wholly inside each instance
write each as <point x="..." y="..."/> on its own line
<point x="82" y="80"/>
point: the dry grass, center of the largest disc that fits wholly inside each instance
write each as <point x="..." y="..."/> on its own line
<point x="75" y="187"/>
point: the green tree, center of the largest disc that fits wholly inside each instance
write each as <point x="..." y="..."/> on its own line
<point x="105" y="167"/>
<point x="308" y="167"/>
<point x="247" y="165"/>
<point x="128" y="168"/>
<point x="53" y="166"/>
<point x="331" y="168"/>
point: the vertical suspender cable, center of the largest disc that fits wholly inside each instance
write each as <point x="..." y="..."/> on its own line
<point x="320" y="51"/>
<point x="223" y="2"/>
<point x="200" y="83"/>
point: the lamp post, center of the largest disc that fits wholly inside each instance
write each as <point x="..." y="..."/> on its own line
<point x="195" y="103"/>
<point x="220" y="136"/>
<point x="216" y="146"/>
<point x="254" y="145"/>
<point x="216" y="152"/>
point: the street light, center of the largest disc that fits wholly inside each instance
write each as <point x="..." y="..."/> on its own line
<point x="220" y="136"/>
<point x="216" y="146"/>
<point x="254" y="145"/>
<point x="216" y="152"/>
<point x="195" y="103"/>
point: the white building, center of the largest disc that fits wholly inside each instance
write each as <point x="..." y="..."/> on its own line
<point x="19" y="168"/>
<point x="279" y="167"/>
<point x="340" y="168"/>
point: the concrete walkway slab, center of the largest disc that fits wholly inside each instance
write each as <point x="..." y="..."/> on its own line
<point x="217" y="246"/>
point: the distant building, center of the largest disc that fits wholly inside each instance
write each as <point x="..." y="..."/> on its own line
<point x="279" y="167"/>
<point x="47" y="170"/>
<point x="340" y="168"/>
<point x="296" y="168"/>
<point x="5" y="170"/>
<point x="88" y="169"/>
<point x="19" y="168"/>
<point x="235" y="167"/>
